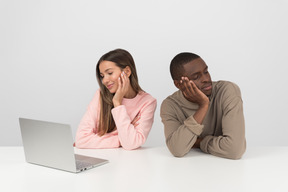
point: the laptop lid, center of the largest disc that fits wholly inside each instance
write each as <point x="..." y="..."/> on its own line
<point x="48" y="144"/>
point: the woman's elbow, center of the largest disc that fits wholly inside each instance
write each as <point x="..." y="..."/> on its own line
<point x="79" y="145"/>
<point x="131" y="145"/>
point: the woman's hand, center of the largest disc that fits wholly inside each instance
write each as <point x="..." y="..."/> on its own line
<point x="123" y="87"/>
<point x="135" y="122"/>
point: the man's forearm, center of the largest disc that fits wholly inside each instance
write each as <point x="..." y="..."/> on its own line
<point x="201" y="113"/>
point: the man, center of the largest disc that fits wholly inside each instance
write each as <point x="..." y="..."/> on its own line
<point x="202" y="114"/>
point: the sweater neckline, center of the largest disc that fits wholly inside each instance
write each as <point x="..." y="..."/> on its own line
<point x="132" y="100"/>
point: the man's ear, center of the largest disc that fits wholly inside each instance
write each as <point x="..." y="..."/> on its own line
<point x="177" y="83"/>
<point x="127" y="71"/>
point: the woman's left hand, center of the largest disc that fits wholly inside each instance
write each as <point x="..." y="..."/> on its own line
<point x="135" y="121"/>
<point x="123" y="87"/>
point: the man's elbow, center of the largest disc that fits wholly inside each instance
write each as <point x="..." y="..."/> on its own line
<point x="236" y="152"/>
<point x="176" y="151"/>
<point x="234" y="155"/>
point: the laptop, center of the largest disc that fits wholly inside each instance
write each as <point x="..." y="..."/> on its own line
<point x="51" y="144"/>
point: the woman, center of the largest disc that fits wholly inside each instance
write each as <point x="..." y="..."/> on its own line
<point x="121" y="113"/>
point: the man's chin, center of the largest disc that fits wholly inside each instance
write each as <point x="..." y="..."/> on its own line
<point x="207" y="93"/>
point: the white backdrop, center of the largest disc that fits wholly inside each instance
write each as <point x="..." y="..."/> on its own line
<point x="49" y="49"/>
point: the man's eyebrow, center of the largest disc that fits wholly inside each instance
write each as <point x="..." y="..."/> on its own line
<point x="199" y="71"/>
<point x="195" y="73"/>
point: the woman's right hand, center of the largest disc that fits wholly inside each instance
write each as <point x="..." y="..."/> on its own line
<point x="123" y="87"/>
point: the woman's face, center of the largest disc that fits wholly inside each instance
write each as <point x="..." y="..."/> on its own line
<point x="109" y="73"/>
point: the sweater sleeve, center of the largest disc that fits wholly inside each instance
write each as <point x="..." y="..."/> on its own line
<point x="180" y="136"/>
<point x="133" y="137"/>
<point x="231" y="144"/>
<point x="87" y="137"/>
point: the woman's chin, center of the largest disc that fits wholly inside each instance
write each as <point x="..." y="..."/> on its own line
<point x="112" y="91"/>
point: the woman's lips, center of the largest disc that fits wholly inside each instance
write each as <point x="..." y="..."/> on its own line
<point x="109" y="86"/>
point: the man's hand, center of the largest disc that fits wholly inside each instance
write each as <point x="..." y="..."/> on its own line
<point x="197" y="143"/>
<point x="192" y="93"/>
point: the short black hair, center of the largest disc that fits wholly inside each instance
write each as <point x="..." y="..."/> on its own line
<point x="176" y="65"/>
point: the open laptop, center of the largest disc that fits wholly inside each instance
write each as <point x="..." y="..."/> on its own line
<point x="51" y="144"/>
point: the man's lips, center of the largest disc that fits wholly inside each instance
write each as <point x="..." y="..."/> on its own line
<point x="207" y="87"/>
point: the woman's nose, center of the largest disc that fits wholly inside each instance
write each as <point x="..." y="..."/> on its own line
<point x="104" y="80"/>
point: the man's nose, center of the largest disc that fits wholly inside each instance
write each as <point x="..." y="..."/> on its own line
<point x="205" y="77"/>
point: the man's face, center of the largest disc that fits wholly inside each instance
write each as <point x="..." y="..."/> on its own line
<point x="197" y="71"/>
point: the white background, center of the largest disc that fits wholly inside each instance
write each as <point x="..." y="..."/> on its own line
<point x="49" y="49"/>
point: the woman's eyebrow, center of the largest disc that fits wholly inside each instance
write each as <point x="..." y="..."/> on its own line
<point x="106" y="70"/>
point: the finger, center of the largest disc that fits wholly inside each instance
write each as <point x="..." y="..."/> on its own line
<point x="181" y="85"/>
<point x="136" y="119"/>
<point x="136" y="124"/>
<point x="189" y="88"/>
<point x="195" y="88"/>
<point x="119" y="83"/>
<point x="124" y="80"/>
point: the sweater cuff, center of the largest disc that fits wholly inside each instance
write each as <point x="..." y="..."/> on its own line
<point x="192" y="124"/>
<point x="120" y="109"/>
<point x="205" y="142"/>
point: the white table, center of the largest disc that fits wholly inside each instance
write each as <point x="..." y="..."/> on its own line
<point x="151" y="169"/>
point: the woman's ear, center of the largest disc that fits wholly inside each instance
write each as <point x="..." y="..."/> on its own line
<point x="127" y="71"/>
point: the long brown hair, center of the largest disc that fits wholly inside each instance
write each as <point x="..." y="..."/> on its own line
<point x="122" y="59"/>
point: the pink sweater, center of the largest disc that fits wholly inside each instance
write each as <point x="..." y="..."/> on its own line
<point x="126" y="135"/>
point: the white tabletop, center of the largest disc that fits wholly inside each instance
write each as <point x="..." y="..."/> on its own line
<point x="151" y="169"/>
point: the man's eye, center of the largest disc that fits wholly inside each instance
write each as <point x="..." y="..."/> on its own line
<point x="195" y="77"/>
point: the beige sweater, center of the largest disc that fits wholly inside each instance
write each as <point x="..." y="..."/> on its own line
<point x="223" y="128"/>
